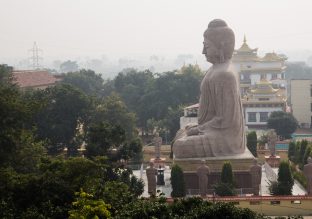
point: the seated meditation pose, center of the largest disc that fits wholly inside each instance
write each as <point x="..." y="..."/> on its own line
<point x="220" y="129"/>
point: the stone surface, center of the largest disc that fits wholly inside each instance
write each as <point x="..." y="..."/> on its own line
<point x="256" y="174"/>
<point x="157" y="141"/>
<point x="220" y="129"/>
<point x="272" y="138"/>
<point x="307" y="170"/>
<point x="240" y="162"/>
<point x="202" y="173"/>
<point x="151" y="173"/>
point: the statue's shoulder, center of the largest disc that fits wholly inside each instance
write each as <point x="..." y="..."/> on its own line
<point x="224" y="76"/>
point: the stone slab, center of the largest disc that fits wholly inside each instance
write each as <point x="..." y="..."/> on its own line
<point x="240" y="162"/>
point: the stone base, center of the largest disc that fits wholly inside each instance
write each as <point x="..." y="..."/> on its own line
<point x="240" y="162"/>
<point x="242" y="181"/>
<point x="158" y="162"/>
<point x="273" y="161"/>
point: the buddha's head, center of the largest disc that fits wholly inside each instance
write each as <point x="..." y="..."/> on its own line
<point x="219" y="42"/>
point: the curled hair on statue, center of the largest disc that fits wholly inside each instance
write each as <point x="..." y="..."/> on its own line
<point x="222" y="37"/>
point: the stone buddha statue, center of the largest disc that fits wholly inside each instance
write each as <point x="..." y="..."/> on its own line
<point x="220" y="129"/>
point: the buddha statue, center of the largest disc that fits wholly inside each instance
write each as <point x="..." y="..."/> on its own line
<point x="220" y="129"/>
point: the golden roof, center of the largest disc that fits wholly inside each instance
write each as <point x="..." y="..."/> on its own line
<point x="272" y="56"/>
<point x="264" y="87"/>
<point x="245" y="48"/>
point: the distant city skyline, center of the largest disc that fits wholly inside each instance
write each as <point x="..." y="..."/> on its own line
<point x="74" y="29"/>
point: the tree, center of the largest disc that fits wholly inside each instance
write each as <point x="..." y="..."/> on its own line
<point x="103" y="136"/>
<point x="69" y="66"/>
<point x="86" y="80"/>
<point x="252" y="142"/>
<point x="284" y="123"/>
<point x="303" y="147"/>
<point x="291" y="150"/>
<point x="114" y="111"/>
<point x="177" y="181"/>
<point x="117" y="194"/>
<point x="86" y="207"/>
<point x="306" y="155"/>
<point x="226" y="186"/>
<point x="285" y="180"/>
<point x="15" y="114"/>
<point x="63" y="110"/>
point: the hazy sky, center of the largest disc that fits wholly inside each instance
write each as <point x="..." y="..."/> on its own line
<point x="117" y="28"/>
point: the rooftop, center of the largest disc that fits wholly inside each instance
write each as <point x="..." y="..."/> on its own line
<point x="28" y="79"/>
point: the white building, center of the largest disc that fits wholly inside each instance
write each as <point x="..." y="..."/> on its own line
<point x="252" y="68"/>
<point x="190" y="116"/>
<point x="260" y="102"/>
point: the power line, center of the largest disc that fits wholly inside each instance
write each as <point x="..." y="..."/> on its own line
<point x="35" y="58"/>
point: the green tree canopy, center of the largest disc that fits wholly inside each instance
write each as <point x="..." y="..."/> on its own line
<point x="252" y="142"/>
<point x="88" y="81"/>
<point x="177" y="181"/>
<point x="63" y="109"/>
<point x="284" y="123"/>
<point x="226" y="186"/>
<point x="285" y="180"/>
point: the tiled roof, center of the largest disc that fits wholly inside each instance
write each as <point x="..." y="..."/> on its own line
<point x="34" y="78"/>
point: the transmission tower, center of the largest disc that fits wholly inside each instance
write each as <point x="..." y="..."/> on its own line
<point x="35" y="58"/>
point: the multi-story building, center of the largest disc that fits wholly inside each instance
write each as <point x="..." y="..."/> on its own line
<point x="252" y="68"/>
<point x="301" y="101"/>
<point x="260" y="101"/>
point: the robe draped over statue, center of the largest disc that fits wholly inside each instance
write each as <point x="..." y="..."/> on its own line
<point x="220" y="120"/>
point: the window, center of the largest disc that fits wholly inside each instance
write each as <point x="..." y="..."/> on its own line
<point x="263" y="99"/>
<point x="252" y="117"/>
<point x="296" y="202"/>
<point x="263" y="116"/>
<point x="275" y="202"/>
<point x="274" y="76"/>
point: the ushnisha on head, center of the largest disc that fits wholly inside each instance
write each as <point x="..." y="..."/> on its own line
<point x="219" y="42"/>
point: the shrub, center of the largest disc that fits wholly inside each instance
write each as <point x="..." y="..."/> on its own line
<point x="177" y="182"/>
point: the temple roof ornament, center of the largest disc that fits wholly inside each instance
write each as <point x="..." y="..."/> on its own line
<point x="264" y="87"/>
<point x="245" y="53"/>
<point x="273" y="57"/>
<point x="245" y="48"/>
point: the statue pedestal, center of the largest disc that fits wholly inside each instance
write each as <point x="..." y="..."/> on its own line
<point x="158" y="162"/>
<point x="273" y="161"/>
<point x="240" y="162"/>
<point x="241" y="165"/>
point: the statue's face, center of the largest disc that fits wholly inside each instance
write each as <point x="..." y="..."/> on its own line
<point x="210" y="51"/>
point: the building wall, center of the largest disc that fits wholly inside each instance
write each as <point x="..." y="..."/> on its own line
<point x="257" y="110"/>
<point x="184" y="121"/>
<point x="300" y="95"/>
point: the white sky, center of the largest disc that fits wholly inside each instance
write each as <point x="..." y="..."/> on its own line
<point x="117" y="28"/>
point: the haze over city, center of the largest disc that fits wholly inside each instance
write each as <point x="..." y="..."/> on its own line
<point x="133" y="32"/>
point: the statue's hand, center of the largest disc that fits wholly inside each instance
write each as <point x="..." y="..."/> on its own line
<point x="192" y="131"/>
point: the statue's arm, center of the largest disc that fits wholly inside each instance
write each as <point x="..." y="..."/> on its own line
<point x="225" y="99"/>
